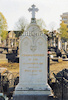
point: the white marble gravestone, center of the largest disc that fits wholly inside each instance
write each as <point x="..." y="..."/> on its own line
<point x="33" y="62"/>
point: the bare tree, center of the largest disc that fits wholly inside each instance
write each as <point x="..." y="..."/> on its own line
<point x="41" y="23"/>
<point x="20" y="26"/>
<point x="52" y="26"/>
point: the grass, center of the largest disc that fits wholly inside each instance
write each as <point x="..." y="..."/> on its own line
<point x="13" y="67"/>
<point x="54" y="67"/>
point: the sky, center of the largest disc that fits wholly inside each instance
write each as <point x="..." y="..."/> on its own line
<point x="49" y="11"/>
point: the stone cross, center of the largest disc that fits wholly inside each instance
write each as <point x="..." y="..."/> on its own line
<point x="33" y="9"/>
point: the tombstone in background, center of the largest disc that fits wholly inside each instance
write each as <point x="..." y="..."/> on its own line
<point x="3" y="58"/>
<point x="0" y="39"/>
<point x="11" y="41"/>
<point x="65" y="45"/>
<point x="33" y="64"/>
<point x="4" y="42"/>
<point x="54" y="42"/>
<point x="67" y="49"/>
<point x="59" y="42"/>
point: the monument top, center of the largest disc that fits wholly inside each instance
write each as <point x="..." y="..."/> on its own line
<point x="33" y="9"/>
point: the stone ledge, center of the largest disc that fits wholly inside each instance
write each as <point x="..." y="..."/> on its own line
<point x="33" y="97"/>
<point x="32" y="92"/>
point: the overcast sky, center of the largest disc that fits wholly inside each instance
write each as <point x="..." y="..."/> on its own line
<point x="49" y="11"/>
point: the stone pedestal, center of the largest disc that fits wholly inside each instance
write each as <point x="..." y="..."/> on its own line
<point x="33" y="97"/>
<point x="3" y="58"/>
<point x="36" y="90"/>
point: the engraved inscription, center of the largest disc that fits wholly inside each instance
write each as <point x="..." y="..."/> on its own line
<point x="33" y="66"/>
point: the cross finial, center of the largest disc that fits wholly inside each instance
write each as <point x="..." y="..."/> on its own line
<point x="33" y="9"/>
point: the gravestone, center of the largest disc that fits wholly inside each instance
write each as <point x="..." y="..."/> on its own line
<point x="33" y="63"/>
<point x="3" y="58"/>
<point x="65" y="44"/>
<point x="59" y="43"/>
<point x="67" y="47"/>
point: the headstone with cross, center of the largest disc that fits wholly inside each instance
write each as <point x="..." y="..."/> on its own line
<point x="33" y="64"/>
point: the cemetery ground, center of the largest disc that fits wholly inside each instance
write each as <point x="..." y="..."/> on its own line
<point x="12" y="67"/>
<point x="55" y="67"/>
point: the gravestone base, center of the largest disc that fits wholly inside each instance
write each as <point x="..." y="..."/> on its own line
<point x="32" y="89"/>
<point x="3" y="58"/>
<point x="31" y="94"/>
<point x="33" y="97"/>
<point x="35" y="92"/>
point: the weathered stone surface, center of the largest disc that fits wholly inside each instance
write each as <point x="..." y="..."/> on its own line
<point x="33" y="97"/>
<point x="33" y="62"/>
